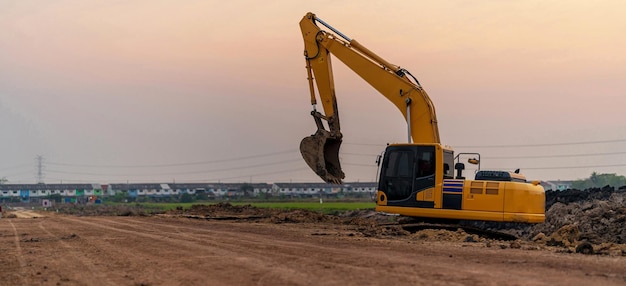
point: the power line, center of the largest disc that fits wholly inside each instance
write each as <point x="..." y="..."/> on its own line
<point x="566" y="167"/>
<point x="511" y="145"/>
<point x="365" y="144"/>
<point x="180" y="173"/>
<point x="359" y="165"/>
<point x="16" y="167"/>
<point x="261" y="174"/>
<point x="173" y="164"/>
<point x="545" y="144"/>
<point x="358" y="154"/>
<point x="555" y="156"/>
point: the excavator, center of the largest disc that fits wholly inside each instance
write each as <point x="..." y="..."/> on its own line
<point x="416" y="179"/>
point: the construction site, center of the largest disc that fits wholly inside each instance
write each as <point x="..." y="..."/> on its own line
<point x="201" y="144"/>
<point x="582" y="241"/>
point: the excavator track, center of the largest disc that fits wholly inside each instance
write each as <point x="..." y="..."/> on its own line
<point x="414" y="225"/>
<point x="412" y="228"/>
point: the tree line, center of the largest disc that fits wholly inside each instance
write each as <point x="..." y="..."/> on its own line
<point x="599" y="180"/>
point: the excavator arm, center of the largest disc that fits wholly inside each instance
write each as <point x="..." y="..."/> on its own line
<point x="321" y="150"/>
<point x="416" y="179"/>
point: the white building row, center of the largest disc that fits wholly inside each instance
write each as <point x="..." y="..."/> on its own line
<point x="26" y="191"/>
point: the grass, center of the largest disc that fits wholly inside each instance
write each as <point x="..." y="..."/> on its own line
<point x="315" y="206"/>
<point x="326" y="207"/>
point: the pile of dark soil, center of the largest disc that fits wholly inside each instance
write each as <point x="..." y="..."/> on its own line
<point x="595" y="218"/>
<point x="366" y="222"/>
<point x="226" y="211"/>
<point x="593" y="215"/>
<point x="105" y="210"/>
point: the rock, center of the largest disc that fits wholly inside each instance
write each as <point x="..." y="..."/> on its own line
<point x="540" y="237"/>
<point x="584" y="248"/>
<point x="566" y="235"/>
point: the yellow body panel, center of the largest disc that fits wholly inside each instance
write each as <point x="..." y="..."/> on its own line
<point x="526" y="199"/>
<point x="483" y="196"/>
<point x="482" y="200"/>
<point x="426" y="195"/>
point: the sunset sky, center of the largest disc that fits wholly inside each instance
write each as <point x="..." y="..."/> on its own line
<point x="208" y="91"/>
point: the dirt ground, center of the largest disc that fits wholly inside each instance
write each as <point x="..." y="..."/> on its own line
<point x="227" y="245"/>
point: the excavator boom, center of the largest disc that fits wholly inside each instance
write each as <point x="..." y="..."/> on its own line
<point x="321" y="150"/>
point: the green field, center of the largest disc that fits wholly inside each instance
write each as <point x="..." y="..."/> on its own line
<point x="326" y="207"/>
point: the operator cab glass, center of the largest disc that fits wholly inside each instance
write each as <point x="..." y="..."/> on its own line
<point x="406" y="171"/>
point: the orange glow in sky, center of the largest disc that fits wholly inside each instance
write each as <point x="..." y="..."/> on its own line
<point x="155" y="91"/>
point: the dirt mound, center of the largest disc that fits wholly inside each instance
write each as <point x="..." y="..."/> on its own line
<point x="595" y="216"/>
<point x="367" y="222"/>
<point x="223" y="210"/>
<point x="105" y="210"/>
<point x="573" y="195"/>
<point x="227" y="211"/>
<point x="600" y="217"/>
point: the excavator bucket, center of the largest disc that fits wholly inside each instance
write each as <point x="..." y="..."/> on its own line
<point x="321" y="152"/>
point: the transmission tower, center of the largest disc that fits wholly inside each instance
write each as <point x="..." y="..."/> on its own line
<point x="40" y="172"/>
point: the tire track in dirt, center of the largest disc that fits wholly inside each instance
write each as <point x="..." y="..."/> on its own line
<point x="19" y="255"/>
<point x="255" y="248"/>
<point x="179" y="251"/>
<point x="202" y="236"/>
<point x="142" y="249"/>
<point x="256" y="242"/>
<point x="78" y="257"/>
<point x="263" y="255"/>
<point x="119" y="245"/>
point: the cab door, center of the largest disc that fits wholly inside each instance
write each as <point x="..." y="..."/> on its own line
<point x="407" y="176"/>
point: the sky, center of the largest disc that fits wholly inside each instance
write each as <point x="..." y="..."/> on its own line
<point x="216" y="91"/>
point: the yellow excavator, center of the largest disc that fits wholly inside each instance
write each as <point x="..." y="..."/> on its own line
<point x="417" y="178"/>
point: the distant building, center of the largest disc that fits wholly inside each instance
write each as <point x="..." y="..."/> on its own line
<point x="556" y="185"/>
<point x="317" y="189"/>
<point x="87" y="192"/>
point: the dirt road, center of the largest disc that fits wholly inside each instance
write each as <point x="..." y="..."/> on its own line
<point x="157" y="250"/>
